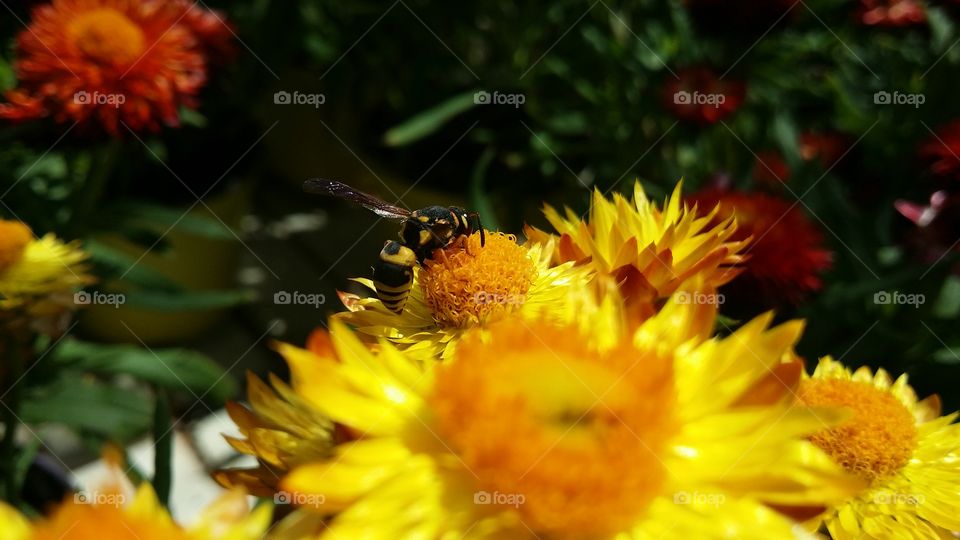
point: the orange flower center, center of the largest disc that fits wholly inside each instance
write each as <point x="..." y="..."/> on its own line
<point x="877" y="440"/>
<point x="567" y="436"/>
<point x="14" y="237"/>
<point x="465" y="283"/>
<point x="107" y="36"/>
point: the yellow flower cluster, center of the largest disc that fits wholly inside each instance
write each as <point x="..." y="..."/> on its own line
<point x="108" y="516"/>
<point x="36" y="272"/>
<point x="574" y="386"/>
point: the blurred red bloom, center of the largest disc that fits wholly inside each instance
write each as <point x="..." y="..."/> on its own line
<point x="786" y="255"/>
<point x="936" y="225"/>
<point x="771" y="169"/>
<point x="698" y="95"/>
<point x="111" y="61"/>
<point x="942" y="151"/>
<point x="922" y="216"/>
<point x="828" y="147"/>
<point x="891" y="13"/>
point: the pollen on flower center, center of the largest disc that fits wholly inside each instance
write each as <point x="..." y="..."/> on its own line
<point x="14" y="237"/>
<point x="567" y="435"/>
<point x="465" y="283"/>
<point x="877" y="440"/>
<point x="108" y="36"/>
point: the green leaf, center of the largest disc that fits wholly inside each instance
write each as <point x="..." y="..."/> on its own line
<point x="950" y="355"/>
<point x="190" y="117"/>
<point x="85" y="405"/>
<point x="156" y="300"/>
<point x="52" y="165"/>
<point x="180" y="370"/>
<point x="8" y="78"/>
<point x="117" y="263"/>
<point x="941" y="28"/>
<point x="165" y="218"/>
<point x="948" y="303"/>
<point x="429" y="121"/>
<point x="26" y="453"/>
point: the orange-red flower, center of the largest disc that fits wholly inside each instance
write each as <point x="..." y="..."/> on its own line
<point x="785" y="256"/>
<point x="211" y="29"/>
<point x="891" y="13"/>
<point x="109" y="62"/>
<point x="698" y="95"/>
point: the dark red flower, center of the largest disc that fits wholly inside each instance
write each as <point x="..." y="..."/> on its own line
<point x="698" y="95"/>
<point x="828" y="147"/>
<point x="771" y="169"/>
<point x="942" y="151"/>
<point x="891" y="13"/>
<point x="786" y="255"/>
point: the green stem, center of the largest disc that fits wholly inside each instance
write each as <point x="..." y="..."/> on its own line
<point x="479" y="200"/>
<point x="11" y="421"/>
<point x="104" y="160"/>
<point x="163" y="445"/>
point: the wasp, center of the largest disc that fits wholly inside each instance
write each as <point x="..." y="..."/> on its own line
<point x="422" y="232"/>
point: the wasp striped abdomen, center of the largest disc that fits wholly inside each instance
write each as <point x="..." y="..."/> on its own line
<point x="393" y="275"/>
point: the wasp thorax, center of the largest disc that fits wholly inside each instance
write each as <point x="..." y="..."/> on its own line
<point x="466" y="283"/>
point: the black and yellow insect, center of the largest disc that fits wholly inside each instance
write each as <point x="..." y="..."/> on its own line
<point x="421" y="233"/>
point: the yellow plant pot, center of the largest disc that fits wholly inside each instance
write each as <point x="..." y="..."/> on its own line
<point x="194" y="262"/>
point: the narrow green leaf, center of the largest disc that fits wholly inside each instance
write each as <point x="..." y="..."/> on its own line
<point x="429" y="121"/>
<point x="949" y="356"/>
<point x="165" y="218"/>
<point x="116" y="263"/>
<point x="85" y="405"/>
<point x="188" y="301"/>
<point x="180" y="370"/>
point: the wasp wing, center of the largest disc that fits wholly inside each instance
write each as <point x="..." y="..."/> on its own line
<point x="321" y="186"/>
